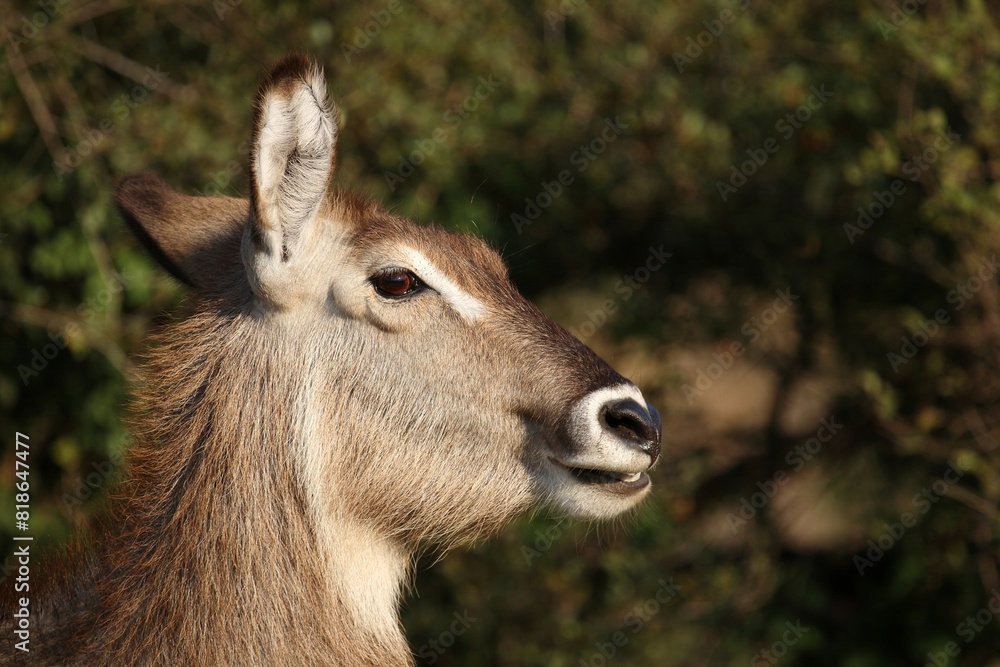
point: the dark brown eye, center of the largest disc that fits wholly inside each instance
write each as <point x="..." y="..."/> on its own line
<point x="396" y="283"/>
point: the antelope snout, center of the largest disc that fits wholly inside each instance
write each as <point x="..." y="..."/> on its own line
<point x="637" y="425"/>
<point x="613" y="429"/>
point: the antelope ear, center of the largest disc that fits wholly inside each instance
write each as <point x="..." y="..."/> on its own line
<point x="194" y="238"/>
<point x="292" y="158"/>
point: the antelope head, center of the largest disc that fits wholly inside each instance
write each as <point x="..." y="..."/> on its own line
<point x="430" y="401"/>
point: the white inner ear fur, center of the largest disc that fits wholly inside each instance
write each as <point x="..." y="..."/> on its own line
<point x="470" y="308"/>
<point x="294" y="160"/>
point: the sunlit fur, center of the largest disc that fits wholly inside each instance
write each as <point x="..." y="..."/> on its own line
<point x="299" y="438"/>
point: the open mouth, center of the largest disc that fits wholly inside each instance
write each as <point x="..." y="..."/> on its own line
<point x="621" y="480"/>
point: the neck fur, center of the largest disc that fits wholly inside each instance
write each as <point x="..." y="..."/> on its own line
<point x="223" y="549"/>
<point x="366" y="570"/>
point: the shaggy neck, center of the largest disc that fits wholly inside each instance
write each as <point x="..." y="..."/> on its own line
<point x="367" y="574"/>
<point x="365" y="569"/>
<point x="222" y="552"/>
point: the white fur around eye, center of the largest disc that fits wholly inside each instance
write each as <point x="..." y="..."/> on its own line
<point x="466" y="305"/>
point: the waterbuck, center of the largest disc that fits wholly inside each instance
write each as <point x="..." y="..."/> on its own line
<point x="348" y="390"/>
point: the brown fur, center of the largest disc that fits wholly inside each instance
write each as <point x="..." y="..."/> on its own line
<point x="300" y="440"/>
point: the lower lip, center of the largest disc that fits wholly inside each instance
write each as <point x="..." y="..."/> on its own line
<point x="606" y="481"/>
<point x="641" y="483"/>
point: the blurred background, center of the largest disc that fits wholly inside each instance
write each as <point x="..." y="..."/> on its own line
<point x="779" y="219"/>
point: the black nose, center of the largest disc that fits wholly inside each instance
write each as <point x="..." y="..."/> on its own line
<point x="635" y="424"/>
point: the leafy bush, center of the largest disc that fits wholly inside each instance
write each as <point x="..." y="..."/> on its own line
<point x="842" y="154"/>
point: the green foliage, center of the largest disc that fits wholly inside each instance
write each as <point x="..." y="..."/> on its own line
<point x="698" y="100"/>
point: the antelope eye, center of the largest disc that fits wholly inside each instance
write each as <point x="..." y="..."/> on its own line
<point x="397" y="282"/>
